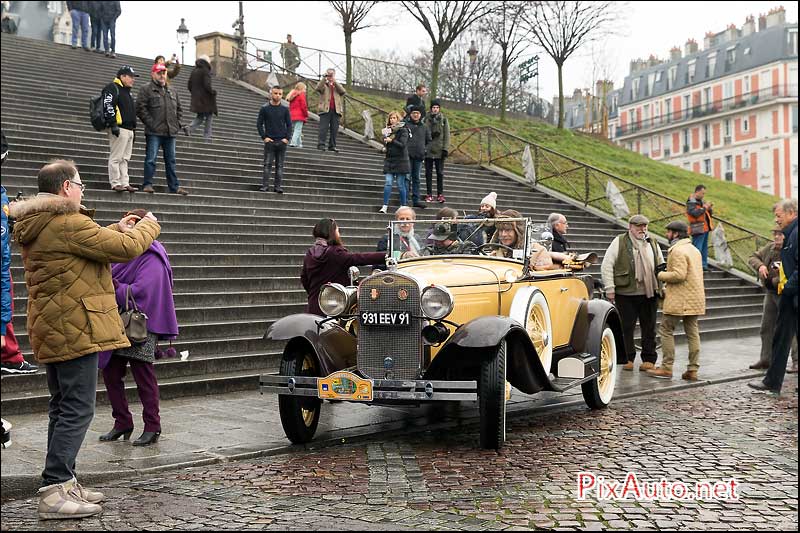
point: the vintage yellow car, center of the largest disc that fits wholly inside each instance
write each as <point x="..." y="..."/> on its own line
<point x="458" y="321"/>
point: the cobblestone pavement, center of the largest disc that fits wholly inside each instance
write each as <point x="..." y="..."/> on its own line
<point x="428" y="480"/>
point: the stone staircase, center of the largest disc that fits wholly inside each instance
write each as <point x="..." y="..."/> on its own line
<point x="237" y="252"/>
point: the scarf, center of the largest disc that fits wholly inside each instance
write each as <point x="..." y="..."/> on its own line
<point x="409" y="240"/>
<point x="643" y="262"/>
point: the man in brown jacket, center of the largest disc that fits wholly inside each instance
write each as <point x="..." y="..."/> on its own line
<point x="330" y="109"/>
<point x="72" y="315"/>
<point x="765" y="261"/>
<point x="684" y="299"/>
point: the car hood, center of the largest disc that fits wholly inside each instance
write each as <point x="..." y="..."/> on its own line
<point x="454" y="272"/>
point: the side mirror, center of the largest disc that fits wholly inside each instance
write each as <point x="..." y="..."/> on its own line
<point x="353" y="272"/>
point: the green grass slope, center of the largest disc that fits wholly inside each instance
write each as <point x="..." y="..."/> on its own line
<point x="740" y="205"/>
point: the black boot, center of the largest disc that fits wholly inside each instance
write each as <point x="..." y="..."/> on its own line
<point x="114" y="434"/>
<point x="147" y="438"/>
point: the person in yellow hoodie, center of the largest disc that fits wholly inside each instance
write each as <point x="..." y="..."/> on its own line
<point x="119" y="111"/>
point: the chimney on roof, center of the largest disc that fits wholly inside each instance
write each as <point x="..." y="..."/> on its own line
<point x="637" y="65"/>
<point x="749" y="26"/>
<point x="675" y="53"/>
<point x="603" y="87"/>
<point x="776" y="17"/>
<point x="731" y="33"/>
<point x="691" y="47"/>
<point x="709" y="40"/>
<point x="653" y="61"/>
<point x="762" y="22"/>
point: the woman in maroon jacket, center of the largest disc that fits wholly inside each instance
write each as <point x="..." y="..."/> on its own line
<point x="328" y="261"/>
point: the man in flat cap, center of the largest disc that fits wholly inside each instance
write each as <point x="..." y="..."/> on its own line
<point x="685" y="299"/>
<point x="629" y="277"/>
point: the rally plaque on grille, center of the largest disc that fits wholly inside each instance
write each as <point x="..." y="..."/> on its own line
<point x="345" y="386"/>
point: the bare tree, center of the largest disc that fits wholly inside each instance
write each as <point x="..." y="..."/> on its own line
<point x="505" y="27"/>
<point x="352" y="16"/>
<point x="560" y="28"/>
<point x="444" y="21"/>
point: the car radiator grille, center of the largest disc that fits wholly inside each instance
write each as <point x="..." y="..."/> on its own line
<point x="403" y="344"/>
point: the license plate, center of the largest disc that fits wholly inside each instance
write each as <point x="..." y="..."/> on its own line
<point x="385" y="319"/>
<point x="344" y="386"/>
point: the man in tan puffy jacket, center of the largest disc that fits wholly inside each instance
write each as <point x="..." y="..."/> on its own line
<point x="684" y="299"/>
<point x="72" y="315"/>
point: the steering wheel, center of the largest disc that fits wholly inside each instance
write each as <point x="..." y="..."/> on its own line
<point x="483" y="249"/>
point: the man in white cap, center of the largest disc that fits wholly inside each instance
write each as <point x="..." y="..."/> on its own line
<point x="204" y="97"/>
<point x="629" y="277"/>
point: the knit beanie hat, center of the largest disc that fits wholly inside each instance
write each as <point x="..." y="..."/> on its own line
<point x="490" y="199"/>
<point x="436" y="102"/>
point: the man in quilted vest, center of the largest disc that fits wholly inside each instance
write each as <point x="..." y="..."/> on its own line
<point x="72" y="315"/>
<point x="684" y="299"/>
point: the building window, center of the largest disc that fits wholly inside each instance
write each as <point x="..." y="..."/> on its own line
<point x="667" y="144"/>
<point x="794" y="118"/>
<point x="727" y="90"/>
<point x="635" y="89"/>
<point x="711" y="64"/>
<point x="707" y="98"/>
<point x="707" y="166"/>
<point x="706" y="136"/>
<point x="747" y="51"/>
<point x="730" y="58"/>
<point x="685" y="140"/>
<point x="745" y="125"/>
<point x="746" y="85"/>
<point x="672" y="75"/>
<point x="726" y="130"/>
<point x="651" y="79"/>
<point x="690" y="71"/>
<point x="658" y="75"/>
<point x="791" y="40"/>
<point x="668" y="109"/>
<point x="686" y="105"/>
<point x="746" y="160"/>
<point x="728" y="168"/>
<point x="654" y="143"/>
<point x="632" y="117"/>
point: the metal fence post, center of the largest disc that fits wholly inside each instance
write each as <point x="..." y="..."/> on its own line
<point x="489" y="145"/>
<point x="536" y="162"/>
<point x="638" y="200"/>
<point x="586" y="185"/>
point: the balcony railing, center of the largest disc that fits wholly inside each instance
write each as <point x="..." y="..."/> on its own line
<point x="706" y="109"/>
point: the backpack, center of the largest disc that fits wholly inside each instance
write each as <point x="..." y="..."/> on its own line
<point x="96" y="111"/>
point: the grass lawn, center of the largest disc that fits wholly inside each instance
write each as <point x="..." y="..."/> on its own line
<point x="740" y="205"/>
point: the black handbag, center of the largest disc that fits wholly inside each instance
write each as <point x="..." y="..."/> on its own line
<point x="135" y="321"/>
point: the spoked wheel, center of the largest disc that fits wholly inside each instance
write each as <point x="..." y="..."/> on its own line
<point x="598" y="392"/>
<point x="492" y="399"/>
<point x="299" y="414"/>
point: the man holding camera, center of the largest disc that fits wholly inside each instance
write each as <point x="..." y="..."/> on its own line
<point x="684" y="299"/>
<point x="330" y="109"/>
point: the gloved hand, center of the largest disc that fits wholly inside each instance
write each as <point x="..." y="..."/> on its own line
<point x="444" y="154"/>
<point x="661" y="268"/>
<point x="115" y="130"/>
<point x="185" y="130"/>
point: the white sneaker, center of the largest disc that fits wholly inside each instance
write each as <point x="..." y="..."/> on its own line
<point x="62" y="500"/>
<point x="384" y="209"/>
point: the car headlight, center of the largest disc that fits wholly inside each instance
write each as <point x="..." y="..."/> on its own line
<point x="437" y="302"/>
<point x="336" y="299"/>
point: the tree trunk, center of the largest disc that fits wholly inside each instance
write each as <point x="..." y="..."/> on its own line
<point x="348" y="44"/>
<point x="503" y="88"/>
<point x="560" y="97"/>
<point x="437" y="61"/>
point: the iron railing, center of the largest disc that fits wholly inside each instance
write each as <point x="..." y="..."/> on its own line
<point x="487" y="145"/>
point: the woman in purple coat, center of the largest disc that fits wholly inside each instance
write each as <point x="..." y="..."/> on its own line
<point x="149" y="278"/>
<point x="328" y="261"/>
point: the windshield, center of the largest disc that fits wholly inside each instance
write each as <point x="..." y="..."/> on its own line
<point x="499" y="237"/>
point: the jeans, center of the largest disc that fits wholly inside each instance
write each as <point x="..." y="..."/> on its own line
<point x="297" y="133"/>
<point x="167" y="144"/>
<point x="328" y="122"/>
<point x="701" y="243"/>
<point x="785" y="333"/>
<point x="416" y="166"/>
<point x="208" y="118"/>
<point x="274" y="151"/>
<point x="109" y="27"/>
<point x="72" y="385"/>
<point x="97" y="32"/>
<point x="429" y="163"/>
<point x="401" y="186"/>
<point x="643" y="309"/>
<point x="80" y="22"/>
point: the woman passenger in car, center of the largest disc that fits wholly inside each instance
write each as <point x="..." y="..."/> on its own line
<point x="511" y="234"/>
<point x="328" y="261"/>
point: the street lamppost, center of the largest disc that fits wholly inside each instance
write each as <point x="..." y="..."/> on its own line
<point x="183" y="36"/>
<point x="473" y="58"/>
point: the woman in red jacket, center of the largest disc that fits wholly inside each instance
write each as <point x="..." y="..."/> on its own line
<point x="298" y="112"/>
<point x="328" y="261"/>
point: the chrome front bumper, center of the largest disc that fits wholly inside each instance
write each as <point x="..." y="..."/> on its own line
<point x="382" y="389"/>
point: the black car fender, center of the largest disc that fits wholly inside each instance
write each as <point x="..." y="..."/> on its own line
<point x="478" y="338"/>
<point x="335" y="347"/>
<point x="602" y="313"/>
